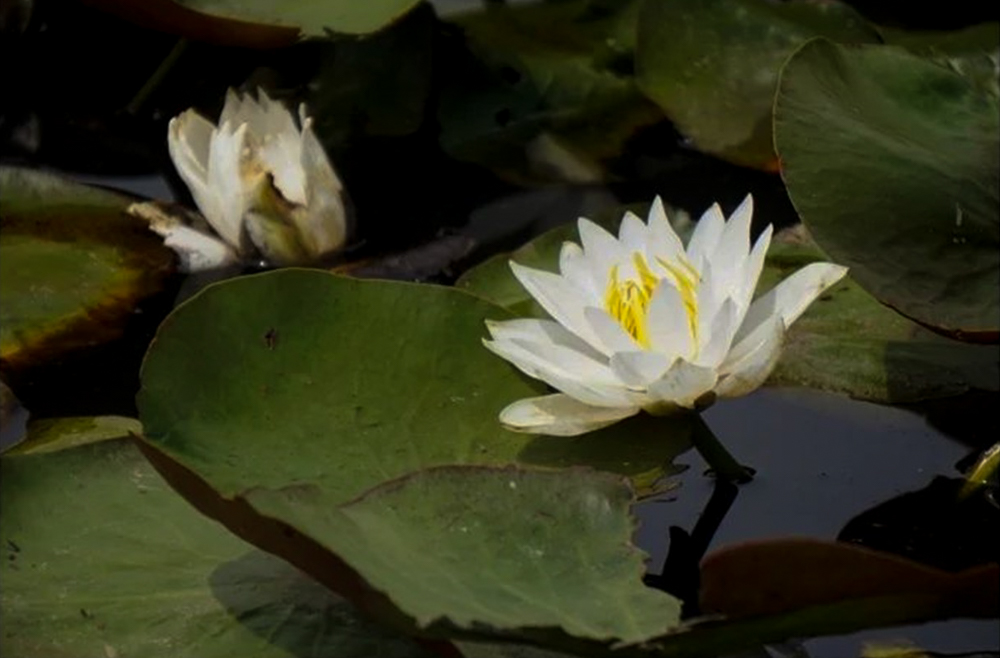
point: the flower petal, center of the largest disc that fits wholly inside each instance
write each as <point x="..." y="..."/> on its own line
<point x="790" y="298"/>
<point x="611" y="337"/>
<point x="601" y="248"/>
<point x="730" y="255"/>
<point x="632" y="233"/>
<point x="752" y="359"/>
<point x="560" y="415"/>
<point x="573" y="265"/>
<point x="597" y="393"/>
<point x="197" y="251"/>
<point x="638" y="369"/>
<point x="753" y="267"/>
<point x="663" y="242"/>
<point x="706" y="235"/>
<point x="682" y="385"/>
<point x="560" y="298"/>
<point x="720" y="337"/>
<point x="667" y="323"/>
<point x="188" y="138"/>
<point x="324" y="224"/>
<point x="229" y="179"/>
<point x="540" y="331"/>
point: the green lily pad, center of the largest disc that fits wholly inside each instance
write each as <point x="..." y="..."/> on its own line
<point x="312" y="18"/>
<point x="102" y="558"/>
<point x="55" y="434"/>
<point x="892" y="162"/>
<point x="713" y="66"/>
<point x="73" y="265"/>
<point x="547" y="93"/>
<point x="846" y="342"/>
<point x="486" y="548"/>
<point x="304" y="381"/>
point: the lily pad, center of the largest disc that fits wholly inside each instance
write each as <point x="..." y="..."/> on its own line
<point x="312" y="18"/>
<point x="548" y="93"/>
<point x="304" y="383"/>
<point x="55" y="434"/>
<point x="73" y="265"/>
<point x="892" y="162"/>
<point x="713" y="65"/>
<point x="846" y="342"/>
<point x="120" y="565"/>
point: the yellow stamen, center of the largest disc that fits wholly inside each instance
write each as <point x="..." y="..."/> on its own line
<point x="627" y="301"/>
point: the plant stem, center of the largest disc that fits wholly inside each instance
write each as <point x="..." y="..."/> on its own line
<point x="723" y="465"/>
<point x="158" y="75"/>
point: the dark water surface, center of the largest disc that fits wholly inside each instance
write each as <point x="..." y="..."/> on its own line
<point x="821" y="460"/>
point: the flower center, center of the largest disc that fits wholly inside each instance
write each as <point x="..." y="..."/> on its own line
<point x="627" y="300"/>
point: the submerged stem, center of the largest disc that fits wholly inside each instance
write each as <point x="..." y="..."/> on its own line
<point x="723" y="465"/>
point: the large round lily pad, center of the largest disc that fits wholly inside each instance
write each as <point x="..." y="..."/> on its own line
<point x="305" y="386"/>
<point x="712" y="65"/>
<point x="73" y="265"/>
<point x="893" y="162"/>
<point x="102" y="558"/>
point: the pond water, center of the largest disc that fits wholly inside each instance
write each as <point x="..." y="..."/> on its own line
<point x="821" y="460"/>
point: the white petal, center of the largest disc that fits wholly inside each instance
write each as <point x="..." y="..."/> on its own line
<point x="560" y="415"/>
<point x="638" y="369"/>
<point x="667" y="323"/>
<point x="611" y="337"/>
<point x="790" y="298"/>
<point x="706" y="235"/>
<point x="683" y="384"/>
<point x="663" y="241"/>
<point x="197" y="251"/>
<point x="601" y="248"/>
<point x="560" y="298"/>
<point x="324" y="227"/>
<point x="573" y="265"/>
<point x="632" y="234"/>
<point x="596" y="393"/>
<point x="730" y="255"/>
<point x="540" y="331"/>
<point x="569" y="363"/>
<point x="715" y="346"/>
<point x="188" y="139"/>
<point x="753" y="267"/>
<point x="752" y="359"/>
<point x="226" y="179"/>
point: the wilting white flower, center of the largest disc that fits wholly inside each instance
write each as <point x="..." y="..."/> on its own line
<point x="259" y="180"/>
<point x="641" y="323"/>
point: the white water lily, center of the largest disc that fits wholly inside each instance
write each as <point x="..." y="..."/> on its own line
<point x="641" y="323"/>
<point x="260" y="180"/>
